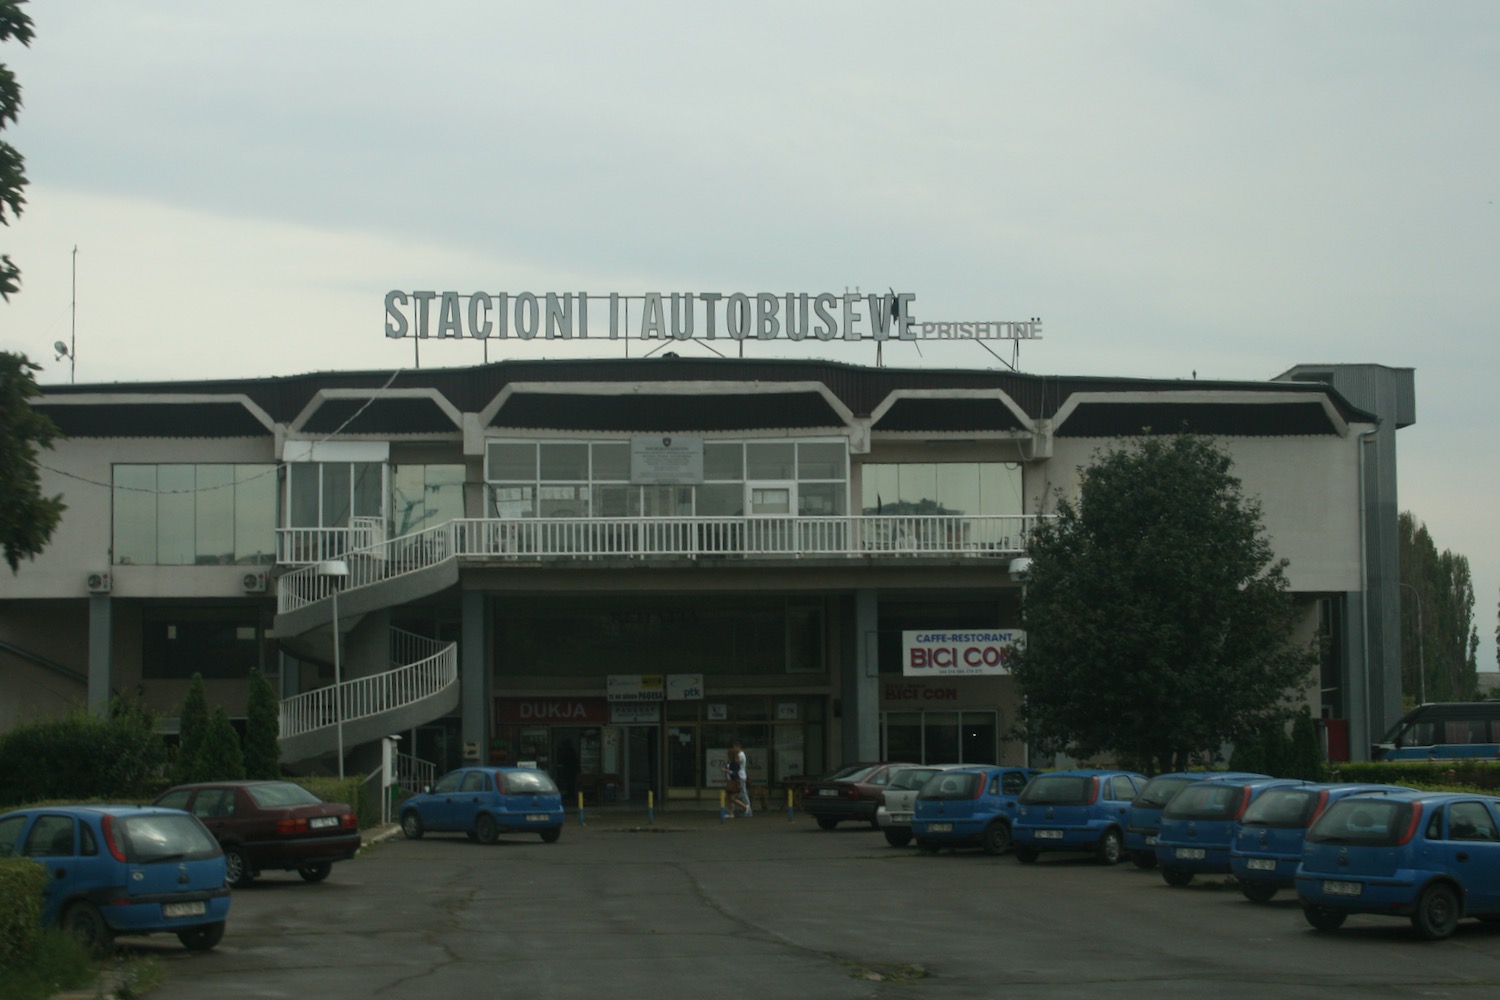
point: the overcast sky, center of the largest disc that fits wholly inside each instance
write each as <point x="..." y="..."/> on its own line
<point x="1219" y="188"/>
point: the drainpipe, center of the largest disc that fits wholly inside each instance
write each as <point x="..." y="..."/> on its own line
<point x="1365" y="438"/>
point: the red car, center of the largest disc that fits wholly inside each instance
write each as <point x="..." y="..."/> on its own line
<point x="853" y="792"/>
<point x="270" y="825"/>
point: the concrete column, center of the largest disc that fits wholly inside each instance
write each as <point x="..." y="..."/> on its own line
<point x="861" y="683"/>
<point x="101" y="641"/>
<point x="473" y="673"/>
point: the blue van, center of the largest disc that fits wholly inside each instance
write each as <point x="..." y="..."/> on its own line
<point x="1198" y="825"/>
<point x="1267" y="843"/>
<point x="1432" y="857"/>
<point x="1080" y="810"/>
<point x="966" y="807"/>
<point x="1145" y="809"/>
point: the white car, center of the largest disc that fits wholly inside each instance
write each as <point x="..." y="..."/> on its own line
<point x="893" y="815"/>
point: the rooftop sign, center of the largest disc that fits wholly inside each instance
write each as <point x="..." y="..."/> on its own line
<point x="738" y="316"/>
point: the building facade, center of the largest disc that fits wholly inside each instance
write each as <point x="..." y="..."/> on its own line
<point x="616" y="568"/>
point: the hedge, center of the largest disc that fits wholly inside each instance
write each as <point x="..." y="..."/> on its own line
<point x="22" y="882"/>
<point x="1465" y="775"/>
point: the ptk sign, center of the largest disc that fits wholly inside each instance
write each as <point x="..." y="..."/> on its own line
<point x="959" y="654"/>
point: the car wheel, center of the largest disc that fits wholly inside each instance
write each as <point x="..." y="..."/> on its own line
<point x="237" y="870"/>
<point x="827" y="823"/>
<point x="550" y="835"/>
<point x="1111" y="847"/>
<point x="1258" y="892"/>
<point x="486" y="829"/>
<point x="927" y="846"/>
<point x="1437" y="912"/>
<point x="85" y="923"/>
<point x="1324" y="919"/>
<point x="1025" y="855"/>
<point x="1176" y="876"/>
<point x="411" y="826"/>
<point x="997" y="837"/>
<point x="1144" y="859"/>
<point x="202" y="937"/>
<point x="315" y="873"/>
<point x="898" y="838"/>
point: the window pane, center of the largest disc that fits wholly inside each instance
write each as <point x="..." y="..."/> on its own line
<point x="336" y="478"/>
<point x="511" y="460"/>
<point x="135" y="515"/>
<point x="613" y="501"/>
<point x="979" y="738"/>
<point x="918" y="489"/>
<point x="820" y="460"/>
<point x="958" y="488"/>
<point x="175" y="534"/>
<point x="770" y="460"/>
<point x="445" y="493"/>
<point x="563" y="501"/>
<point x="215" y="515"/>
<point x="941" y="738"/>
<point x="369" y="483"/>
<point x="903" y="737"/>
<point x="408" y="499"/>
<point x="612" y="462"/>
<point x="304" y="486"/>
<point x="564" y="461"/>
<point x="821" y="500"/>
<point x="514" y="500"/>
<point x="255" y="514"/>
<point x="721" y="500"/>
<point x="1000" y="488"/>
<point x="723" y="461"/>
<point x="879" y="487"/>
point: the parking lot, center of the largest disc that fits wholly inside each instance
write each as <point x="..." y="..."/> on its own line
<point x="692" y="907"/>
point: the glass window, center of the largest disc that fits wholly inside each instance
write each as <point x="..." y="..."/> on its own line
<point x="513" y="500"/>
<point x="1470" y="821"/>
<point x="185" y="514"/>
<point x="175" y="521"/>
<point x="821" y="499"/>
<point x="254" y="514"/>
<point x="979" y="731"/>
<point x="176" y="644"/>
<point x="612" y="461"/>
<point x="214" y="516"/>
<point x="820" y="460"/>
<point x="510" y="460"/>
<point x="566" y="461"/>
<point x="723" y="461"/>
<point x="448" y="783"/>
<point x="972" y="488"/>
<point x="135" y="515"/>
<point x="940" y="737"/>
<point x="721" y="500"/>
<point x="770" y="460"/>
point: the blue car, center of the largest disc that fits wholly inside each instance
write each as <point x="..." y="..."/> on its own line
<point x="1267" y="845"/>
<point x="484" y="802"/>
<point x="1082" y="810"/>
<point x="1145" y="810"/>
<point x="969" y="807"/>
<point x="1198" y="825"/>
<point x="117" y="870"/>
<point x="1430" y="856"/>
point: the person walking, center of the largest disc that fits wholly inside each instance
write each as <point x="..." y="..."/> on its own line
<point x="737" y="778"/>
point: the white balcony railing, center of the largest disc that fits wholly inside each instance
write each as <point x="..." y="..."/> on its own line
<point x="563" y="538"/>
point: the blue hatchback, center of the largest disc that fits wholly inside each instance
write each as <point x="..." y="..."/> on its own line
<point x="1267" y="845"/>
<point x="484" y="802"/>
<point x="116" y="870"/>
<point x="1430" y="856"/>
<point x="1082" y="810"/>
<point x="1145" y="810"/>
<point x="1198" y="825"/>
<point x="972" y="806"/>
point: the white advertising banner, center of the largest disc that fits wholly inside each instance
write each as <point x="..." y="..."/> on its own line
<point x="959" y="653"/>
<point x="636" y="687"/>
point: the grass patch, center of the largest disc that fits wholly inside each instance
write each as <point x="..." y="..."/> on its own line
<point x="56" y="962"/>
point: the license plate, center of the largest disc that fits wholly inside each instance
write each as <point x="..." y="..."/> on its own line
<point x="1049" y="835"/>
<point x="1261" y="865"/>
<point x="537" y="817"/>
<point x="1151" y="840"/>
<point x="829" y="791"/>
<point x="901" y="819"/>
<point x="1342" y="888"/>
<point x="183" y="909"/>
<point x="939" y="827"/>
<point x="320" y="822"/>
<point x="1189" y="854"/>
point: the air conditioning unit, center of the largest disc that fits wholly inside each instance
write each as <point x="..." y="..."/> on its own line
<point x="97" y="583"/>
<point x="254" y="583"/>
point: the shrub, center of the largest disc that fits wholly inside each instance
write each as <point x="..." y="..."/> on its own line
<point x="86" y="757"/>
<point x="221" y="758"/>
<point x="192" y="734"/>
<point x="22" y="882"/>
<point x="262" y="729"/>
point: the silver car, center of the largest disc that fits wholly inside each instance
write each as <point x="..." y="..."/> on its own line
<point x="893" y="815"/>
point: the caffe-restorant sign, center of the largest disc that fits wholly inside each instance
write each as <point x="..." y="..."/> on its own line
<point x="959" y="653"/>
<point x="822" y="316"/>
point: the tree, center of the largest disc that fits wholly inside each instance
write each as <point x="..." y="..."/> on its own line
<point x="27" y="519"/>
<point x="192" y="733"/>
<point x="221" y="759"/>
<point x="1439" y="643"/>
<point x="14" y="23"/>
<point x="1158" y="622"/>
<point x="262" y="729"/>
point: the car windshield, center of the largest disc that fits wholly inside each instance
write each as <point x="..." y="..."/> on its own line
<point x="279" y="794"/>
<point x="1159" y="791"/>
<point x="163" y="837"/>
<point x="911" y="777"/>
<point x="1359" y="820"/>
<point x="856" y="772"/>
<point x="1059" y="790"/>
<point x="953" y="785"/>
<point x="528" y="783"/>
<point x="1206" y="800"/>
<point x="1282" y="807"/>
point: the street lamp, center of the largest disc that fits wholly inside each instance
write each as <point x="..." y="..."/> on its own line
<point x="337" y="570"/>
<point x="1421" y="655"/>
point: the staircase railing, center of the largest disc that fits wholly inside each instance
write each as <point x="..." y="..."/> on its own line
<point x="434" y="666"/>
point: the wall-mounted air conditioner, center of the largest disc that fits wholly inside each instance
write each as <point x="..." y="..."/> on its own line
<point x="254" y="583"/>
<point x="97" y="583"/>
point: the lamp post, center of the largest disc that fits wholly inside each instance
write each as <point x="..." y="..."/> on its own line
<point x="1421" y="655"/>
<point x="338" y="571"/>
<point x="1020" y="572"/>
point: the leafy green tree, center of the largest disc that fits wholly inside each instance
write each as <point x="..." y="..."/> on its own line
<point x="27" y="519"/>
<point x="1159" y="624"/>
<point x="1439" y="642"/>
<point x="192" y="733"/>
<point x="14" y="23"/>
<point x="262" y="729"/>
<point x="221" y="759"/>
<point x="1305" y="751"/>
